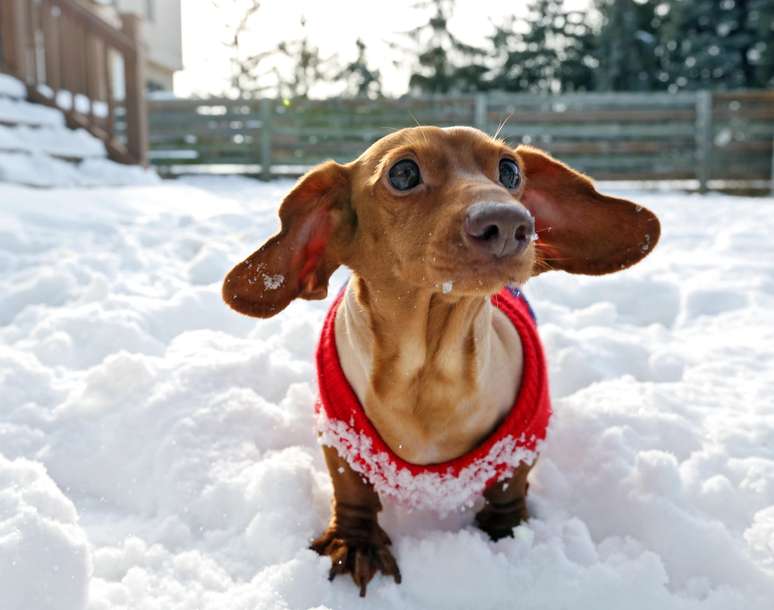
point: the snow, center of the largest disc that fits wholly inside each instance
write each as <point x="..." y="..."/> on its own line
<point x="24" y="113"/>
<point x="41" y="170"/>
<point x="80" y="103"/>
<point x="442" y="493"/>
<point x="273" y="282"/>
<point x="68" y="143"/>
<point x="37" y="149"/>
<point x="158" y="450"/>
<point x="39" y="535"/>
<point x="12" y="87"/>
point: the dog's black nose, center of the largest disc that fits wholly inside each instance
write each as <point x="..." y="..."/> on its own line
<point x="503" y="229"/>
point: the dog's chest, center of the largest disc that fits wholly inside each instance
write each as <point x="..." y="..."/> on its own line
<point x="434" y="405"/>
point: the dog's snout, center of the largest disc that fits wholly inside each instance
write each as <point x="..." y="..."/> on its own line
<point x="503" y="229"/>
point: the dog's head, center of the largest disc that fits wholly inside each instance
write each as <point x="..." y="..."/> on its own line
<point x="452" y="210"/>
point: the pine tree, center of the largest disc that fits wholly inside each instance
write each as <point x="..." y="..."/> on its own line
<point x="628" y="51"/>
<point x="549" y="50"/>
<point x="719" y="44"/>
<point x="761" y="20"/>
<point x="578" y="62"/>
<point x="361" y="80"/>
<point x="444" y="63"/>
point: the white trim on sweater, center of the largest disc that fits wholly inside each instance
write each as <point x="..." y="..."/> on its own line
<point x="443" y="493"/>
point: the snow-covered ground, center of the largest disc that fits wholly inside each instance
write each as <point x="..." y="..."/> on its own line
<point x="157" y="450"/>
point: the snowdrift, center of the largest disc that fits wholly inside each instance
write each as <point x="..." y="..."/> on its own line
<point x="158" y="450"/>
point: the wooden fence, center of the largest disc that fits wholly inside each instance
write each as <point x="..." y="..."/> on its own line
<point x="71" y="59"/>
<point x="627" y="136"/>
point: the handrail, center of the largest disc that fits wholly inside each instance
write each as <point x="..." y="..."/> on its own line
<point x="96" y="25"/>
<point x="70" y="58"/>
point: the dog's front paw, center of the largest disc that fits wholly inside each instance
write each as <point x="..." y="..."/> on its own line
<point x="358" y="551"/>
<point x="498" y="520"/>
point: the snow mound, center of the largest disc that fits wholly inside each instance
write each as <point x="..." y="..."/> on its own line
<point x="181" y="435"/>
<point x="43" y="551"/>
<point x="68" y="143"/>
<point x="19" y="112"/>
<point x="12" y="87"/>
<point x="40" y="170"/>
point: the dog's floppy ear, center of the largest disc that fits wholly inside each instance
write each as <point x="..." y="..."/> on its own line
<point x="579" y="229"/>
<point x="298" y="261"/>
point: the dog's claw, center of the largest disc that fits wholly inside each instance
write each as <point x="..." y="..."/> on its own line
<point x="388" y="564"/>
<point x="361" y="557"/>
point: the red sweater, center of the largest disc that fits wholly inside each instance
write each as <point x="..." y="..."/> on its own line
<point x="343" y="424"/>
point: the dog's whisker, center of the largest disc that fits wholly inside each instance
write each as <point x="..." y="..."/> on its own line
<point x="502" y="125"/>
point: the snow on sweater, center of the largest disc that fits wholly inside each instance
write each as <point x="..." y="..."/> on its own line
<point x="454" y="484"/>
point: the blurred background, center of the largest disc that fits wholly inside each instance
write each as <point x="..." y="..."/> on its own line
<point x="630" y="90"/>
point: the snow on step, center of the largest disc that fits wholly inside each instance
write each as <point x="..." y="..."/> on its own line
<point x="18" y="112"/>
<point x="11" y="87"/>
<point x="67" y="143"/>
<point x="41" y="170"/>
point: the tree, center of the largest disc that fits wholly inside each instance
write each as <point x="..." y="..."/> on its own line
<point x="761" y="54"/>
<point x="308" y="68"/>
<point x="629" y="48"/>
<point x="549" y="50"/>
<point x="444" y="63"/>
<point x="247" y="78"/>
<point x="578" y="59"/>
<point x="721" y="44"/>
<point x="359" y="78"/>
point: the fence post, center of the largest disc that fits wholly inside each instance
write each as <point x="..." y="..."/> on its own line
<point x="265" y="136"/>
<point x="704" y="136"/>
<point x="134" y="82"/>
<point x="479" y="112"/>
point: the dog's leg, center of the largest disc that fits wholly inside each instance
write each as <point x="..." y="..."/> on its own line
<point x="506" y="505"/>
<point x="354" y="540"/>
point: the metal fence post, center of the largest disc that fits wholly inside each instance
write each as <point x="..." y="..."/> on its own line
<point x="479" y="112"/>
<point x="704" y="137"/>
<point x="134" y="81"/>
<point x="265" y="137"/>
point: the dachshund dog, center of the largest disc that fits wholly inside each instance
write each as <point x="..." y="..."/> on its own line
<point x="433" y="386"/>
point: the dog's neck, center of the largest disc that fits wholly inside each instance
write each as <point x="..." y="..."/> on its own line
<point x="434" y="372"/>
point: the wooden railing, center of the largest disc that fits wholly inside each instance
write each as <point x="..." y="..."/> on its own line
<point x="696" y="136"/>
<point x="71" y="59"/>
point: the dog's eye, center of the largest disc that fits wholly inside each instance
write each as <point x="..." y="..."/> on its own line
<point x="404" y="175"/>
<point x="510" y="175"/>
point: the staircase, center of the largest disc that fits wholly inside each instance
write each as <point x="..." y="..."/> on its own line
<point x="73" y="95"/>
<point x="38" y="149"/>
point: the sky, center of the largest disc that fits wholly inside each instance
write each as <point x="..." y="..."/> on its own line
<point x="333" y="26"/>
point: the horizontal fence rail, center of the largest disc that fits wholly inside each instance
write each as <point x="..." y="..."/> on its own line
<point x="71" y="59"/>
<point x="612" y="136"/>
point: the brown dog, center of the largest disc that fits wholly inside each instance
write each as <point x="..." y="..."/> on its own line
<point x="432" y="222"/>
